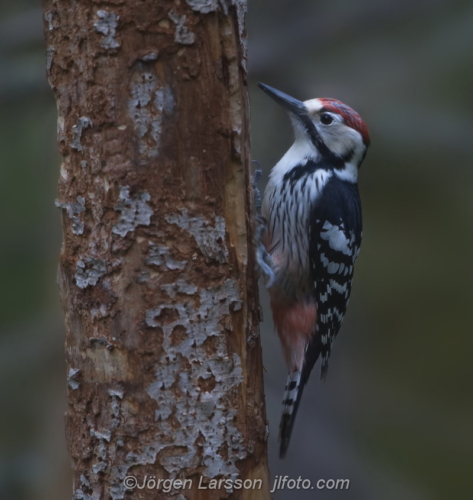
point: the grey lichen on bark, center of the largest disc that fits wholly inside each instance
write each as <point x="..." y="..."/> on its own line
<point x="156" y="276"/>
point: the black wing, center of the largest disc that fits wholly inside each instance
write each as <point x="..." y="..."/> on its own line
<point x="334" y="243"/>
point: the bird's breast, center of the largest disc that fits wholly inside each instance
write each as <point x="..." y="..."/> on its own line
<point x="287" y="205"/>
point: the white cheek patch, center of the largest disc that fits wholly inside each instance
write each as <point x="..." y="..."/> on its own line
<point x="341" y="138"/>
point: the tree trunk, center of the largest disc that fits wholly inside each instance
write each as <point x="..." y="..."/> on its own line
<point x="156" y="270"/>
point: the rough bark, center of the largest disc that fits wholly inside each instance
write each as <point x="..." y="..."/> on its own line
<point x="156" y="276"/>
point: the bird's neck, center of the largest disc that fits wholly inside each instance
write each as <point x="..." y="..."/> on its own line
<point x="348" y="173"/>
<point x="303" y="153"/>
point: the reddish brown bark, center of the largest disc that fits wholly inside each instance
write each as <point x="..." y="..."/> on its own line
<point x="156" y="275"/>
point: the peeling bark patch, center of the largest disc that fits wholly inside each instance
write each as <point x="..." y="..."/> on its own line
<point x="72" y="377"/>
<point x="210" y="239"/>
<point x="241" y="6"/>
<point x="150" y="101"/>
<point x="199" y="414"/>
<point x="89" y="271"/>
<point x="107" y="25"/>
<point x="134" y="211"/>
<point x="183" y="35"/>
<point x="79" y="493"/>
<point x="49" y="57"/>
<point x="105" y="434"/>
<point x="48" y="16"/>
<point x="106" y="446"/>
<point x="180" y="286"/>
<point x="148" y="55"/>
<point x="204" y="6"/>
<point x="159" y="255"/>
<point x="73" y="211"/>
<point x="82" y="123"/>
<point x="164" y="100"/>
<point x="101" y="312"/>
<point x="116" y="393"/>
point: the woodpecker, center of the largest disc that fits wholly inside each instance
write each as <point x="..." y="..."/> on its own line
<point x="312" y="215"/>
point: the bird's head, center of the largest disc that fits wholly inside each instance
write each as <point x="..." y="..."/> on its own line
<point x="336" y="132"/>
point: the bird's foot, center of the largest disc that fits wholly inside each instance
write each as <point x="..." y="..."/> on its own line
<point x="256" y="177"/>
<point x="263" y="259"/>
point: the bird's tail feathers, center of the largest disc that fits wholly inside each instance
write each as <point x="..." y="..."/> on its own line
<point x="291" y="400"/>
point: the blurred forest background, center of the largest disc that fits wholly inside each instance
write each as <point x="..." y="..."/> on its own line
<point x="395" y="415"/>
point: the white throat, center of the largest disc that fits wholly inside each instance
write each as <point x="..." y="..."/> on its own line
<point x="298" y="154"/>
<point x="349" y="173"/>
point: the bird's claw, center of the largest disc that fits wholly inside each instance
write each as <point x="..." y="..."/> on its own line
<point x="265" y="263"/>
<point x="263" y="259"/>
<point x="256" y="177"/>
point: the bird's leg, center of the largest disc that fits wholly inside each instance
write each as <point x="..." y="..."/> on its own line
<point x="263" y="259"/>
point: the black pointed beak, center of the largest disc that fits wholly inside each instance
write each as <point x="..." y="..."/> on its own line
<point x="286" y="101"/>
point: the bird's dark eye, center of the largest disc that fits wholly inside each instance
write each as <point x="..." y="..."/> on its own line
<point x="326" y="119"/>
